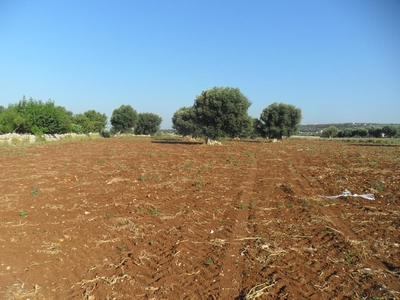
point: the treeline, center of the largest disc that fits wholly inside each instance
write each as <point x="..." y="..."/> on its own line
<point x="38" y="118"/>
<point x="216" y="112"/>
<point x="316" y="129"/>
<point x="377" y="132"/>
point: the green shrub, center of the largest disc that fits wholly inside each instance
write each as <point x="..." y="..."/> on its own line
<point x="105" y="134"/>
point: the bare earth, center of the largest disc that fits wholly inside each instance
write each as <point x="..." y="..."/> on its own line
<point x="124" y="218"/>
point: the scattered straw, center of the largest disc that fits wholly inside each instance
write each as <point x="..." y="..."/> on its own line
<point x="109" y="280"/>
<point x="260" y="290"/>
<point x="99" y="242"/>
<point x="50" y="248"/>
<point x="190" y="274"/>
<point x="16" y="291"/>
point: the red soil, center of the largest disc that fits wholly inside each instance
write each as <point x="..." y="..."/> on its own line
<point x="124" y="218"/>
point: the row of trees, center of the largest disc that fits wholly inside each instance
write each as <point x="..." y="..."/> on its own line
<point x="126" y="120"/>
<point x="216" y="112"/>
<point x="388" y="131"/>
<point x="37" y="117"/>
<point x="222" y="112"/>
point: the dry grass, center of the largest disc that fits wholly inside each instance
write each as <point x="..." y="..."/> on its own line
<point x="49" y="248"/>
<point x="108" y="280"/>
<point x="260" y="290"/>
<point x="18" y="291"/>
<point x="100" y="242"/>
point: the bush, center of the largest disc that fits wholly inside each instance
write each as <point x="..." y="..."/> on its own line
<point x="105" y="134"/>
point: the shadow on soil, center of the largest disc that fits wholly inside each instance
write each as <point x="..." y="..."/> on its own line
<point x="172" y="141"/>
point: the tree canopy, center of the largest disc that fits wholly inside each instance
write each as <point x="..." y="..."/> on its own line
<point x="345" y="133"/>
<point x="10" y="120"/>
<point x="148" y="123"/>
<point x="35" y="116"/>
<point x="123" y="119"/>
<point x="184" y="122"/>
<point x="330" y="132"/>
<point x="375" y="132"/>
<point x="222" y="111"/>
<point x="89" y="121"/>
<point x="361" y="132"/>
<point x="280" y="120"/>
<point x="258" y="128"/>
<point x="390" y="130"/>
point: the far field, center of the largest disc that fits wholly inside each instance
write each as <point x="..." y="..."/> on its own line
<point x="125" y="218"/>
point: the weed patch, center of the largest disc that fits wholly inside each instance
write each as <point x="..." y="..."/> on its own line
<point x="35" y="191"/>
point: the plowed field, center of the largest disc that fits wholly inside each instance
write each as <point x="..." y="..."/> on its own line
<point x="124" y="218"/>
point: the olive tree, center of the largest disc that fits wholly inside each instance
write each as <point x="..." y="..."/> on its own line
<point x="345" y="133"/>
<point x="123" y="119"/>
<point x="184" y="122"/>
<point x="361" y="132"/>
<point x="280" y="120"/>
<point x="148" y="123"/>
<point x="222" y="111"/>
<point x="330" y="132"/>
<point x="375" y="132"/>
<point x="390" y="130"/>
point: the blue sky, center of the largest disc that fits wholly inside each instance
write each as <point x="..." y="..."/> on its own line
<point x="339" y="61"/>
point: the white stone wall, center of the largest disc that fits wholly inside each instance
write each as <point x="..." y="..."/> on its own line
<point x="9" y="137"/>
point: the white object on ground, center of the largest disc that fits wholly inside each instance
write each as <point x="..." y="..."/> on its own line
<point x="347" y="193"/>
